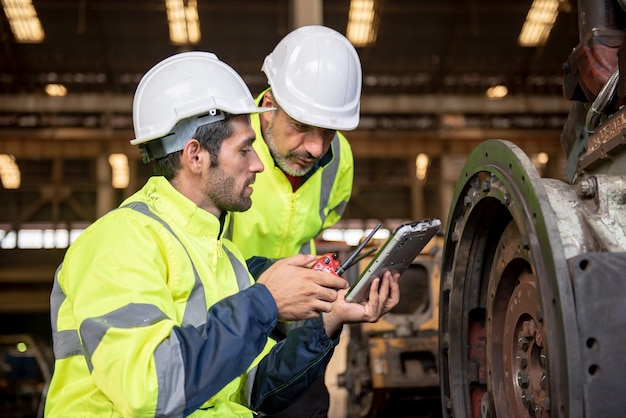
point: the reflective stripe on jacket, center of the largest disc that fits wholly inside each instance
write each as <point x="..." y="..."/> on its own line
<point x="131" y="332"/>
<point x="281" y="222"/>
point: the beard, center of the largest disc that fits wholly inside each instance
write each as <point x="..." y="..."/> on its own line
<point x="224" y="192"/>
<point x="283" y="160"/>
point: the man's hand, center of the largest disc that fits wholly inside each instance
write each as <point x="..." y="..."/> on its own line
<point x="384" y="296"/>
<point x="299" y="291"/>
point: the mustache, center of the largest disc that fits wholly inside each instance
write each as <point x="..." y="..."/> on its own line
<point x="302" y="155"/>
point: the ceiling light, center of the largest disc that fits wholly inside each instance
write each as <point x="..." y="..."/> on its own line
<point x="421" y="166"/>
<point x="540" y="159"/>
<point x="539" y="22"/>
<point x="183" y="21"/>
<point x="56" y="90"/>
<point x="9" y="172"/>
<point x="119" y="171"/>
<point x="362" y="23"/>
<point x="23" y="20"/>
<point x="497" y="92"/>
<point x="543" y="158"/>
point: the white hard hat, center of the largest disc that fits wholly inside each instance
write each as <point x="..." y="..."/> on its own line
<point x="315" y="76"/>
<point x="185" y="91"/>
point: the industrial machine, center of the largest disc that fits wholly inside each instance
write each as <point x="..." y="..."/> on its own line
<point x="533" y="284"/>
<point x="25" y="373"/>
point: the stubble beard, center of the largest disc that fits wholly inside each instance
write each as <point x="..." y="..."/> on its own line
<point x="221" y="189"/>
<point x="283" y="161"/>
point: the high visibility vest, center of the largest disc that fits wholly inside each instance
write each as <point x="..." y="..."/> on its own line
<point x="112" y="279"/>
<point x="283" y="222"/>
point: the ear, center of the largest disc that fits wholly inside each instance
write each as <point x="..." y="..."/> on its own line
<point x="193" y="156"/>
<point x="267" y="101"/>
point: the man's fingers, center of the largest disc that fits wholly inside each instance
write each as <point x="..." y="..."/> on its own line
<point x="299" y="260"/>
<point x="330" y="280"/>
<point x="394" y="289"/>
<point x="383" y="289"/>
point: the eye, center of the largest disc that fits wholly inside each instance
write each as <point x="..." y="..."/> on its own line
<point x="301" y="127"/>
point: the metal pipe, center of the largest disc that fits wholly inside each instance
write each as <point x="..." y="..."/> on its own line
<point x="596" y="15"/>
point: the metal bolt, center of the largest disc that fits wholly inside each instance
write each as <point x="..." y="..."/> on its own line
<point x="537" y="410"/>
<point x="522" y="341"/>
<point x="523" y="380"/>
<point x="522" y="359"/>
<point x="527" y="399"/>
<point x="485" y="411"/>
<point x="543" y="359"/>
<point x="587" y="187"/>
<point x="544" y="380"/>
<point x="525" y="243"/>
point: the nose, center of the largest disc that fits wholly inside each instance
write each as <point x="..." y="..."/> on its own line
<point x="315" y="143"/>
<point x="256" y="165"/>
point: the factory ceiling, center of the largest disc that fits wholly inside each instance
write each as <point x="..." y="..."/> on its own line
<point x="426" y="51"/>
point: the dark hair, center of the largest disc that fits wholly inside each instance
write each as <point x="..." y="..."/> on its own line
<point x="210" y="137"/>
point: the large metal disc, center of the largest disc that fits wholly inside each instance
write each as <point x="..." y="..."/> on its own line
<point x="508" y="335"/>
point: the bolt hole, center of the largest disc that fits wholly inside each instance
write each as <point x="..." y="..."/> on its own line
<point x="584" y="264"/>
<point x="591" y="342"/>
<point x="594" y="370"/>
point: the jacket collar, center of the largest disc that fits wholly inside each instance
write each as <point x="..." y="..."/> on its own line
<point x="173" y="206"/>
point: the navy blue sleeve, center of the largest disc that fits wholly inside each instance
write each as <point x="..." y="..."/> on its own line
<point x="257" y="265"/>
<point x="292" y="366"/>
<point x="235" y="332"/>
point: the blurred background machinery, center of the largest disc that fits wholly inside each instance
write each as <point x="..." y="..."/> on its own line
<point x="391" y="366"/>
<point x="25" y="372"/>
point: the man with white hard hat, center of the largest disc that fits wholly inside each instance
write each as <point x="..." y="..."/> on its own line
<point x="153" y="311"/>
<point x="314" y="76"/>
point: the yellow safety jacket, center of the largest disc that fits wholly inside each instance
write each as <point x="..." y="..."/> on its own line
<point x="132" y="331"/>
<point x="283" y="222"/>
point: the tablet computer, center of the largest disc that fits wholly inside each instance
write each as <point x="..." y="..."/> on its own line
<point x="396" y="255"/>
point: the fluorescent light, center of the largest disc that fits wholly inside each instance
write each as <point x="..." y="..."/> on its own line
<point x="421" y="166"/>
<point x="119" y="171"/>
<point x="9" y="172"/>
<point x="56" y="90"/>
<point x="497" y="92"/>
<point x="23" y="20"/>
<point x="183" y="21"/>
<point x="362" y="23"/>
<point x="539" y="22"/>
